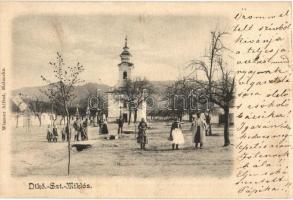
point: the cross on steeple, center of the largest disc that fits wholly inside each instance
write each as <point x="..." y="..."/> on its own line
<point x="125" y="41"/>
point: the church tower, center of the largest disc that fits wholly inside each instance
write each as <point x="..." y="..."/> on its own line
<point x="120" y="109"/>
<point x="125" y="66"/>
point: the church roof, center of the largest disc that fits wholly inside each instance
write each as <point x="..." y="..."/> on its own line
<point x="127" y="63"/>
<point x="125" y="53"/>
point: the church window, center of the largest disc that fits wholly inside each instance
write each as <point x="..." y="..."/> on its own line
<point x="124" y="75"/>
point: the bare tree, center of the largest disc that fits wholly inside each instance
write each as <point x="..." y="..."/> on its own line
<point x="16" y="104"/>
<point x="61" y="91"/>
<point x="215" y="52"/>
<point x="37" y="107"/>
<point x="176" y="95"/>
<point x="223" y="95"/>
<point x="219" y="91"/>
<point x="184" y="98"/>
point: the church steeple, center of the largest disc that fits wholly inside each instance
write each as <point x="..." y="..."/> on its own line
<point x="125" y="67"/>
<point x="125" y="55"/>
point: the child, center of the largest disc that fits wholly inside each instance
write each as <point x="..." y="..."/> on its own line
<point x="176" y="135"/>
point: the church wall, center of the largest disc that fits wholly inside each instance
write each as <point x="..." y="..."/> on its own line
<point x="122" y="69"/>
<point x="114" y="110"/>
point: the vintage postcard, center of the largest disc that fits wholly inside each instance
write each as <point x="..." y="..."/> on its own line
<point x="146" y="99"/>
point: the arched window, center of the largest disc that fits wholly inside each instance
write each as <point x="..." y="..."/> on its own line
<point x="124" y="75"/>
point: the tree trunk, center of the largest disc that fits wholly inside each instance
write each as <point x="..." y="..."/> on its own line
<point x="69" y="138"/>
<point x="210" y="133"/>
<point x="17" y="116"/>
<point x="190" y="116"/>
<point x="40" y="120"/>
<point x="54" y="119"/>
<point x="129" y="118"/>
<point x="97" y="120"/>
<point x="135" y="116"/>
<point x="210" y="129"/>
<point x="63" y="119"/>
<point x="226" y="126"/>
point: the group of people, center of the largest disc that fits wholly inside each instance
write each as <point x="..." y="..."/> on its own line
<point x="199" y="129"/>
<point x="80" y="129"/>
<point x="52" y="134"/>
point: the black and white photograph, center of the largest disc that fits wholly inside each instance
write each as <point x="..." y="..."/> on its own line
<point x="119" y="100"/>
<point x="130" y="95"/>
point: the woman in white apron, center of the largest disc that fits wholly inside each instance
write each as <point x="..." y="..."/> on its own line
<point x="176" y="135"/>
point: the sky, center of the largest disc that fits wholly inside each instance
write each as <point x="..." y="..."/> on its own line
<point x="161" y="46"/>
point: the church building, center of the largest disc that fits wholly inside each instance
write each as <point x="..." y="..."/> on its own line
<point x="116" y="106"/>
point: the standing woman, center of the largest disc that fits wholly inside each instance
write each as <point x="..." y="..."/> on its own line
<point x="84" y="135"/>
<point x="76" y="130"/>
<point x="104" y="127"/>
<point x="199" y="132"/>
<point x="176" y="135"/>
<point x="49" y="133"/>
<point x="63" y="132"/>
<point x="142" y="134"/>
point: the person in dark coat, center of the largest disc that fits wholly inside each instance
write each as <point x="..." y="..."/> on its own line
<point x="104" y="128"/>
<point x="67" y="133"/>
<point x="120" y="125"/>
<point x="55" y="131"/>
<point x="76" y="128"/>
<point x="84" y="135"/>
<point x="49" y="133"/>
<point x="63" y="134"/>
<point x="100" y="124"/>
<point x="142" y="138"/>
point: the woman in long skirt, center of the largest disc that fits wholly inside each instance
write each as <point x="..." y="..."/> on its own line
<point x="104" y="128"/>
<point x="176" y="135"/>
<point x="198" y="130"/>
<point x="49" y="133"/>
<point x="76" y="129"/>
<point x="142" y="134"/>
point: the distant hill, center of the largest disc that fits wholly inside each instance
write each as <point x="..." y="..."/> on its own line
<point x="162" y="83"/>
<point x="30" y="91"/>
<point x="83" y="91"/>
<point x="160" y="86"/>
